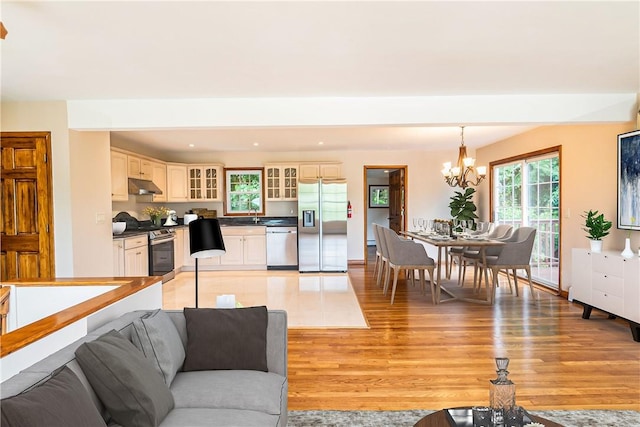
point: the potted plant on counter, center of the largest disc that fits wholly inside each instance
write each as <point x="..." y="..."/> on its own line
<point x="597" y="227"/>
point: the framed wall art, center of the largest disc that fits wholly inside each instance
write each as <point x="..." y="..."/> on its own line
<point x="629" y="180"/>
<point x="378" y="196"/>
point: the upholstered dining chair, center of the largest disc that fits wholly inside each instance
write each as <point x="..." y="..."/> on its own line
<point x="456" y="252"/>
<point x="499" y="232"/>
<point x="379" y="264"/>
<point x="408" y="255"/>
<point x="515" y="255"/>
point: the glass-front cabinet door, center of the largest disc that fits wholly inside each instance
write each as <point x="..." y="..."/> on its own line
<point x="205" y="183"/>
<point x="281" y="182"/>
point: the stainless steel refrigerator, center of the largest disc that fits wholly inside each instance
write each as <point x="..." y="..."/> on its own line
<point x="322" y="225"/>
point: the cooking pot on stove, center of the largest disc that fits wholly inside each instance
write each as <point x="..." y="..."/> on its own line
<point x="189" y="217"/>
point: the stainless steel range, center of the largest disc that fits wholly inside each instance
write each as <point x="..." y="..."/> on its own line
<point x="161" y="253"/>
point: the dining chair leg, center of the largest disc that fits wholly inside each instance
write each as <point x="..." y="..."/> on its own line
<point x="376" y="266"/>
<point x="528" y="271"/>
<point x="385" y="278"/>
<point x="422" y="283"/>
<point x="494" y="286"/>
<point x="461" y="271"/>
<point x="379" y="273"/>
<point x="395" y="283"/>
<point x="433" y="283"/>
<point x="515" y="281"/>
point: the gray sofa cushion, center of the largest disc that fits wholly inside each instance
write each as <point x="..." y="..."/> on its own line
<point x="226" y="338"/>
<point x="130" y="388"/>
<point x="60" y="401"/>
<point x="251" y="390"/>
<point x="157" y="337"/>
<point x="206" y="417"/>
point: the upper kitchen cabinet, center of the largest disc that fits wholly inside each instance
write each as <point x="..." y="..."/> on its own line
<point x="177" y="182"/>
<point x="159" y="178"/>
<point x="281" y="182"/>
<point x="205" y="182"/>
<point x="320" y="170"/>
<point x="139" y="168"/>
<point x="119" y="178"/>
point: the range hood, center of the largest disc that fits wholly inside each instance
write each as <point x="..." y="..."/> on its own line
<point x="140" y="186"/>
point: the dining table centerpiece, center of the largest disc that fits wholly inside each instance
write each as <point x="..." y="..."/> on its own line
<point x="156" y="213"/>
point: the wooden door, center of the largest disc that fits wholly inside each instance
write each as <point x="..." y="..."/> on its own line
<point x="26" y="218"/>
<point x="396" y="200"/>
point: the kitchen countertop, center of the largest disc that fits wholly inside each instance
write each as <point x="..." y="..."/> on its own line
<point x="265" y="221"/>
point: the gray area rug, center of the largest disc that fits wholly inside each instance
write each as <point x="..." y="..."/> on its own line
<point x="587" y="418"/>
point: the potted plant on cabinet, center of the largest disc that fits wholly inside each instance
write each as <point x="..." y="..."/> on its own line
<point x="597" y="227"/>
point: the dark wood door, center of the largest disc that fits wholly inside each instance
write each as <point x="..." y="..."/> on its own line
<point x="396" y="200"/>
<point x="26" y="217"/>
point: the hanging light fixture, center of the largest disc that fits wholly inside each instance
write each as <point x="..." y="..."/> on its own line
<point x="461" y="175"/>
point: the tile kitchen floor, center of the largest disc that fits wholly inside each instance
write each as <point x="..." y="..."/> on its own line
<point x="311" y="300"/>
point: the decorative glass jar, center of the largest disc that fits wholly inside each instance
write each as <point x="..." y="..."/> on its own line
<point x="502" y="392"/>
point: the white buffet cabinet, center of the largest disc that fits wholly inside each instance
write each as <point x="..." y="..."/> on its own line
<point x="246" y="249"/>
<point x="608" y="282"/>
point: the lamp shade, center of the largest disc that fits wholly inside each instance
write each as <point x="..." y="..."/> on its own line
<point x="205" y="238"/>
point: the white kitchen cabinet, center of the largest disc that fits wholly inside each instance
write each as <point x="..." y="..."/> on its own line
<point x="233" y="244"/>
<point x="246" y="247"/>
<point x="281" y="182"/>
<point x="205" y="182"/>
<point x="177" y="182"/>
<point x="119" y="178"/>
<point x="139" y="168"/>
<point x="136" y="256"/>
<point x="118" y="257"/>
<point x="189" y="262"/>
<point x="255" y="250"/>
<point x="178" y="249"/>
<point x="608" y="282"/>
<point x="159" y="178"/>
<point x="320" y="170"/>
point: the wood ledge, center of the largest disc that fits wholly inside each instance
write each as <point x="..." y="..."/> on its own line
<point x="22" y="337"/>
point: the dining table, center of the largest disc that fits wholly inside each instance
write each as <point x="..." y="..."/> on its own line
<point x="442" y="243"/>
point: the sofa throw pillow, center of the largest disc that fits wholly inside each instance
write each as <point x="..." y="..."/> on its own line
<point x="60" y="401"/>
<point x="157" y="337"/>
<point x="233" y="338"/>
<point x="126" y="382"/>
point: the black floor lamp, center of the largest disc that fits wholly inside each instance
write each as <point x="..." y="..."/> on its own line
<point x="205" y="241"/>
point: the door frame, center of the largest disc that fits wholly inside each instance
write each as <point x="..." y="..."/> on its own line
<point x="365" y="192"/>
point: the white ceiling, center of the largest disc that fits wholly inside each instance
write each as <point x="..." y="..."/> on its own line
<point x="90" y="50"/>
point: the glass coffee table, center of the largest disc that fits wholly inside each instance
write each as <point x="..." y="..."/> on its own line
<point x="442" y="419"/>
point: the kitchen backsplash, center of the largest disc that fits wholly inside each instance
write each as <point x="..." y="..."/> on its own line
<point x="136" y="204"/>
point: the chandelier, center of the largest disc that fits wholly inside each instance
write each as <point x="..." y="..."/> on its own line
<point x="465" y="173"/>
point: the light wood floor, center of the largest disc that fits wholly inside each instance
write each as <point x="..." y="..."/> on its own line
<point x="420" y="356"/>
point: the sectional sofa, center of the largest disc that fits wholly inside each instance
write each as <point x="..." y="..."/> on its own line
<point x="197" y="367"/>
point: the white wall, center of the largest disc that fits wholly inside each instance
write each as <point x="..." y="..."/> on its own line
<point x="91" y="204"/>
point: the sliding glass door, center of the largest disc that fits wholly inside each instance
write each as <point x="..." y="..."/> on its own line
<point x="526" y="192"/>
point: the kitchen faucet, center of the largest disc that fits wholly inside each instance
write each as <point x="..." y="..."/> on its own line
<point x="255" y="218"/>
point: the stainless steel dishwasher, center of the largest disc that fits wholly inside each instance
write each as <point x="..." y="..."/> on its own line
<point x="282" y="248"/>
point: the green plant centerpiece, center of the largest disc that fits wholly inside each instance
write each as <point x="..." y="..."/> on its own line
<point x="462" y="206"/>
<point x="597" y="227"/>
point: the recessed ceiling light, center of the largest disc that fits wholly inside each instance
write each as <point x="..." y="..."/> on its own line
<point x="192" y="145"/>
<point x="386" y="171"/>
<point x="320" y="143"/>
<point x="255" y="144"/>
